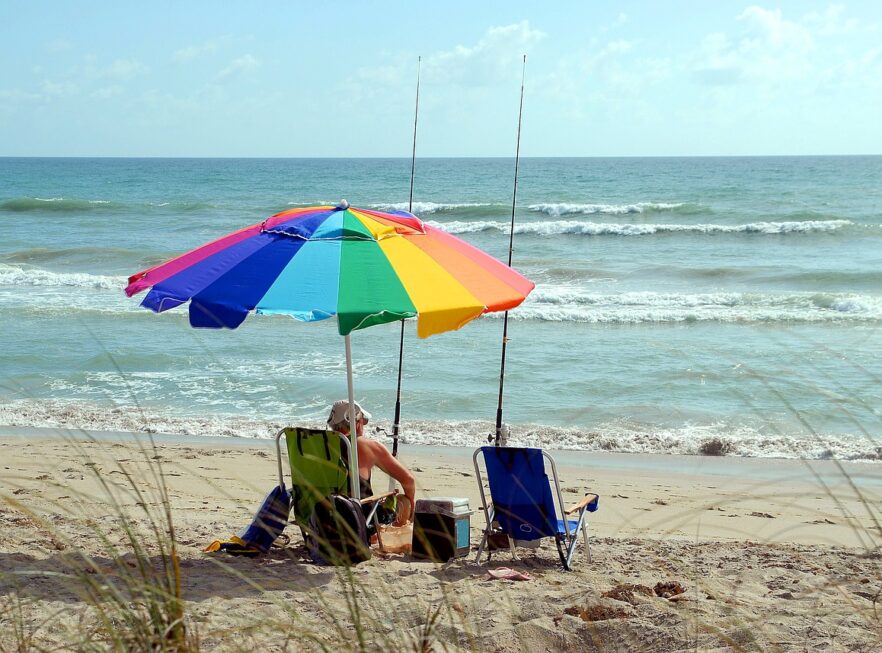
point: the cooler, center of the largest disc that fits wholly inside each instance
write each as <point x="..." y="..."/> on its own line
<point x="441" y="528"/>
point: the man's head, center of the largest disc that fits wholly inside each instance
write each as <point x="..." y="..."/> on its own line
<point x="338" y="420"/>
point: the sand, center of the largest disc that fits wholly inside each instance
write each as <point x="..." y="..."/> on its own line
<point x="773" y="555"/>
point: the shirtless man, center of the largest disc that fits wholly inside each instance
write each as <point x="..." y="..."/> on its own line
<point x="373" y="454"/>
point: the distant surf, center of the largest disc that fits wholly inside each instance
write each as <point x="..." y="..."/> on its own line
<point x="558" y="209"/>
<point x="584" y="228"/>
<point x="549" y="302"/>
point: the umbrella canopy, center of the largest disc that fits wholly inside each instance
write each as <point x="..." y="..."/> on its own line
<point x="364" y="267"/>
<point x="313" y="263"/>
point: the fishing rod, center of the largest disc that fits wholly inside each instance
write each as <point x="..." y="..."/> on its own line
<point x="396" y="426"/>
<point x="500" y="427"/>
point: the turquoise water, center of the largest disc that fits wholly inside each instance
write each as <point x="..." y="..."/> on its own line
<point x="678" y="301"/>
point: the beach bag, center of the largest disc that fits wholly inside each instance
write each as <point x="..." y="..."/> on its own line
<point x="270" y="520"/>
<point x="338" y="532"/>
<point x="265" y="528"/>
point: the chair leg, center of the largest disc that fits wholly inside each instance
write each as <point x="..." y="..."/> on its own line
<point x="560" y="552"/>
<point x="377" y="528"/>
<point x="485" y="540"/>
<point x="571" y="549"/>
<point x="511" y="547"/>
<point x="481" y="548"/>
<point x="373" y="513"/>
<point x="587" y="542"/>
<point x="571" y="543"/>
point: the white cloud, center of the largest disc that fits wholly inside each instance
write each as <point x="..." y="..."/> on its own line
<point x="237" y="67"/>
<point x="487" y="61"/>
<point x="118" y="69"/>
<point x="192" y="52"/>
<point x="123" y="69"/>
<point x="17" y="95"/>
<point x="773" y="51"/>
<point x="58" y="45"/>
<point x="831" y="22"/>
<point x="58" y="89"/>
<point x="773" y="30"/>
<point x="108" y="92"/>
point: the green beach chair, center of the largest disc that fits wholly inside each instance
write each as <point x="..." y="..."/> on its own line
<point x="318" y="460"/>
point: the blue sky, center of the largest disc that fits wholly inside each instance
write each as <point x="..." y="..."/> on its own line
<point x="338" y="79"/>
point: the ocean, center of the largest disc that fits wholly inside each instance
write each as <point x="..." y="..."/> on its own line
<point x="682" y="305"/>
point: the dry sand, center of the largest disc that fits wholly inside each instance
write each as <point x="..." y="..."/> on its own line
<point x="773" y="555"/>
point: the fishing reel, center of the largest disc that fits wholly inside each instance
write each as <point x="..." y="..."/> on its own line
<point x="379" y="429"/>
<point x="500" y="438"/>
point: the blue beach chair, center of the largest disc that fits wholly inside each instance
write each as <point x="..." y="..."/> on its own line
<point x="523" y="506"/>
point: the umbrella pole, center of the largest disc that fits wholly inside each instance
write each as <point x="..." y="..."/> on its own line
<point x="355" y="489"/>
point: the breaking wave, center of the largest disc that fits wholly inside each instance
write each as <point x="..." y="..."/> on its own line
<point x="558" y="209"/>
<point x="427" y="208"/>
<point x="11" y="275"/>
<point x="620" y="436"/>
<point x="580" y="228"/>
<point x="570" y="304"/>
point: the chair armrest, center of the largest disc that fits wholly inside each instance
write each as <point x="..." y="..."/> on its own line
<point x="589" y="498"/>
<point x="379" y="497"/>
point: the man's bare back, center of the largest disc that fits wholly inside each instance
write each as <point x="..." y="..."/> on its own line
<point x="374" y="454"/>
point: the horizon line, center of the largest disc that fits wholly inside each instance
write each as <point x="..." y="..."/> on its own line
<point x="408" y="158"/>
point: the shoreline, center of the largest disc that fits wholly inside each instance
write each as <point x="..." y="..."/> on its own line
<point x="647" y="495"/>
<point x="753" y="467"/>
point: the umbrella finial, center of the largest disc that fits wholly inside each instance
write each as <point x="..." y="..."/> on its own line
<point x="343" y="205"/>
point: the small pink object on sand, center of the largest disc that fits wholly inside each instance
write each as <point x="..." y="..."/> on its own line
<point x="507" y="573"/>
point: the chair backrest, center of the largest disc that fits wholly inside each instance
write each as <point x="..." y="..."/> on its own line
<point x="521" y="493"/>
<point x="319" y="468"/>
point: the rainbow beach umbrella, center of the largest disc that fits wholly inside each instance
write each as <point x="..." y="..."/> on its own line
<point x="361" y="266"/>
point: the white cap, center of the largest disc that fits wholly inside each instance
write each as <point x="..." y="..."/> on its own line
<point x="339" y="415"/>
<point x="343" y="205"/>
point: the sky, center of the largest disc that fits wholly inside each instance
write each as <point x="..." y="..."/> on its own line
<point x="338" y="79"/>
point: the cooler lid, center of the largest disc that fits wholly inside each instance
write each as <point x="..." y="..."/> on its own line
<point x="443" y="505"/>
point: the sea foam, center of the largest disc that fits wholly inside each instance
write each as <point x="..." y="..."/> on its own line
<point x="584" y="228"/>
<point x="573" y="304"/>
<point x="558" y="209"/>
<point x="620" y="436"/>
<point x="11" y="275"/>
<point x="426" y="208"/>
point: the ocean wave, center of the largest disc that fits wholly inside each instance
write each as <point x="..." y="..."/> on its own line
<point x="547" y="303"/>
<point x="67" y="254"/>
<point x="558" y="209"/>
<point x="820" y="277"/>
<point x="79" y="205"/>
<point x="427" y="208"/>
<point x="55" y="204"/>
<point x="573" y="304"/>
<point x="621" y="436"/>
<point x="582" y="228"/>
<point x="11" y="275"/>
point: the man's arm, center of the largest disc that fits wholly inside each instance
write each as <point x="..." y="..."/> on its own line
<point x="390" y="464"/>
